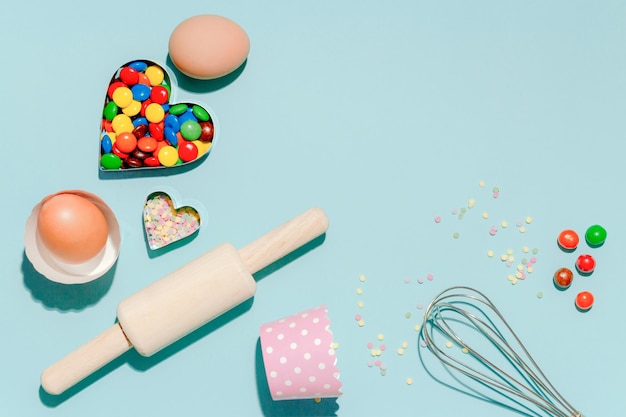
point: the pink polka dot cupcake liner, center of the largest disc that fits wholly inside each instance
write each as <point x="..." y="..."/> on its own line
<point x="299" y="358"/>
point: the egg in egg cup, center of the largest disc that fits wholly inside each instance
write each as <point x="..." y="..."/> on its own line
<point x="72" y="237"/>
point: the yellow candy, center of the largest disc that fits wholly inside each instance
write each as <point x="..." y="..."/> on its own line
<point x="122" y="123"/>
<point x="155" y="75"/>
<point x="122" y="97"/>
<point x="132" y="109"/>
<point x="154" y="113"/>
<point x="168" y="156"/>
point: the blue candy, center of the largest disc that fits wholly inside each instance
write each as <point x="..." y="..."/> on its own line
<point x="138" y="65"/>
<point x="140" y="121"/>
<point x="106" y="144"/>
<point x="172" y="122"/>
<point x="170" y="136"/>
<point x="187" y="115"/>
<point x="141" y="92"/>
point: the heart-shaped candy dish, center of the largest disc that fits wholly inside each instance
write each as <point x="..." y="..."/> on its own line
<point x="165" y="222"/>
<point x="142" y="128"/>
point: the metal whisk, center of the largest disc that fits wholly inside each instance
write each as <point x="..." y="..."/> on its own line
<point x="456" y="323"/>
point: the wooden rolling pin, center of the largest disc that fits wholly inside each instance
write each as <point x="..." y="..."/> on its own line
<point x="184" y="300"/>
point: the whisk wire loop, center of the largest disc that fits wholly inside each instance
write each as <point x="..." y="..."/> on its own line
<point x="465" y="308"/>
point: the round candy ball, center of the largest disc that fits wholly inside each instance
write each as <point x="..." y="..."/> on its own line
<point x="585" y="264"/>
<point x="568" y="239"/>
<point x="595" y="235"/>
<point x="563" y="278"/>
<point x="584" y="300"/>
<point x="208" y="46"/>
<point x="72" y="228"/>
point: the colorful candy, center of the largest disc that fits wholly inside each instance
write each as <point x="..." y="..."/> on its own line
<point x="584" y="300"/>
<point x="568" y="240"/>
<point x="595" y="236"/>
<point x="585" y="264"/>
<point x="140" y="129"/>
<point x="563" y="278"/>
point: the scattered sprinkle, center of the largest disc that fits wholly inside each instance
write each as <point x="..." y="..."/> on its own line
<point x="471" y="202"/>
<point x="455" y="235"/>
<point x="361" y="323"/>
<point x="409" y="381"/>
<point x="504" y="224"/>
<point x="360" y="304"/>
<point x="417" y="327"/>
<point x="437" y="219"/>
<point x="400" y="351"/>
<point x="539" y="294"/>
<point x="404" y="345"/>
<point x="525" y="249"/>
<point x="481" y="183"/>
<point x="380" y="336"/>
<point x="490" y="253"/>
<point x="359" y="291"/>
<point x="407" y="315"/>
<point x="362" y="278"/>
<point x="335" y="345"/>
<point x="522" y="229"/>
<point x="528" y="220"/>
<point x="317" y="400"/>
<point x="449" y="344"/>
<point x="357" y="317"/>
<point x="430" y="277"/>
<point x="465" y="350"/>
<point x="485" y="215"/>
<point x="407" y="280"/>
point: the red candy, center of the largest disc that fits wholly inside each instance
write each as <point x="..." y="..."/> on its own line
<point x="159" y="94"/>
<point x="585" y="264"/>
<point x="129" y="76"/>
<point x="187" y="151"/>
<point x="584" y="300"/>
<point x="568" y="239"/>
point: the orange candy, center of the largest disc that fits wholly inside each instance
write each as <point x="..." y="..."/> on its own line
<point x="126" y="142"/>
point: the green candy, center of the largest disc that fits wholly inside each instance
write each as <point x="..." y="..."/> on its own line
<point x="190" y="130"/>
<point x="595" y="235"/>
<point x="178" y="109"/>
<point x="110" y="110"/>
<point x="200" y="113"/>
<point x="110" y="161"/>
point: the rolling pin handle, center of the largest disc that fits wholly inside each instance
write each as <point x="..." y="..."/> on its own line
<point x="284" y="239"/>
<point x="85" y="360"/>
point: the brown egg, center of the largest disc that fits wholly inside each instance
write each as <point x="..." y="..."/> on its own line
<point x="72" y="228"/>
<point x="208" y="46"/>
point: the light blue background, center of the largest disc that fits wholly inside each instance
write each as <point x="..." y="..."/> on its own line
<point x="385" y="114"/>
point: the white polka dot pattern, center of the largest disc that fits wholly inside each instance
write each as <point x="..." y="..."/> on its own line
<point x="299" y="359"/>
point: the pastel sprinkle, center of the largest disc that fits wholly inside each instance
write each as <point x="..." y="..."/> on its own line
<point x="522" y="229"/>
<point x="409" y="381"/>
<point x="481" y="183"/>
<point x="380" y="336"/>
<point x="525" y="249"/>
<point x="485" y="215"/>
<point x="361" y="323"/>
<point x="359" y="291"/>
<point x="417" y="327"/>
<point x="407" y="315"/>
<point x="528" y="220"/>
<point x="437" y="219"/>
<point x="430" y="277"/>
<point x="490" y="253"/>
<point x="455" y="235"/>
<point x="400" y="351"/>
<point x="407" y="280"/>
<point x="539" y="294"/>
<point x="164" y="224"/>
<point x="357" y="317"/>
<point x="360" y="304"/>
<point x="404" y="345"/>
<point x="504" y="224"/>
<point x="362" y="278"/>
<point x="449" y="344"/>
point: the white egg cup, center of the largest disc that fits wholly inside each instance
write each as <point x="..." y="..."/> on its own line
<point x="55" y="270"/>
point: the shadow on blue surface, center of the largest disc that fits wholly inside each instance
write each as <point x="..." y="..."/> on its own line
<point x="141" y="363"/>
<point x="65" y="297"/>
<point x="193" y="85"/>
<point x="327" y="407"/>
